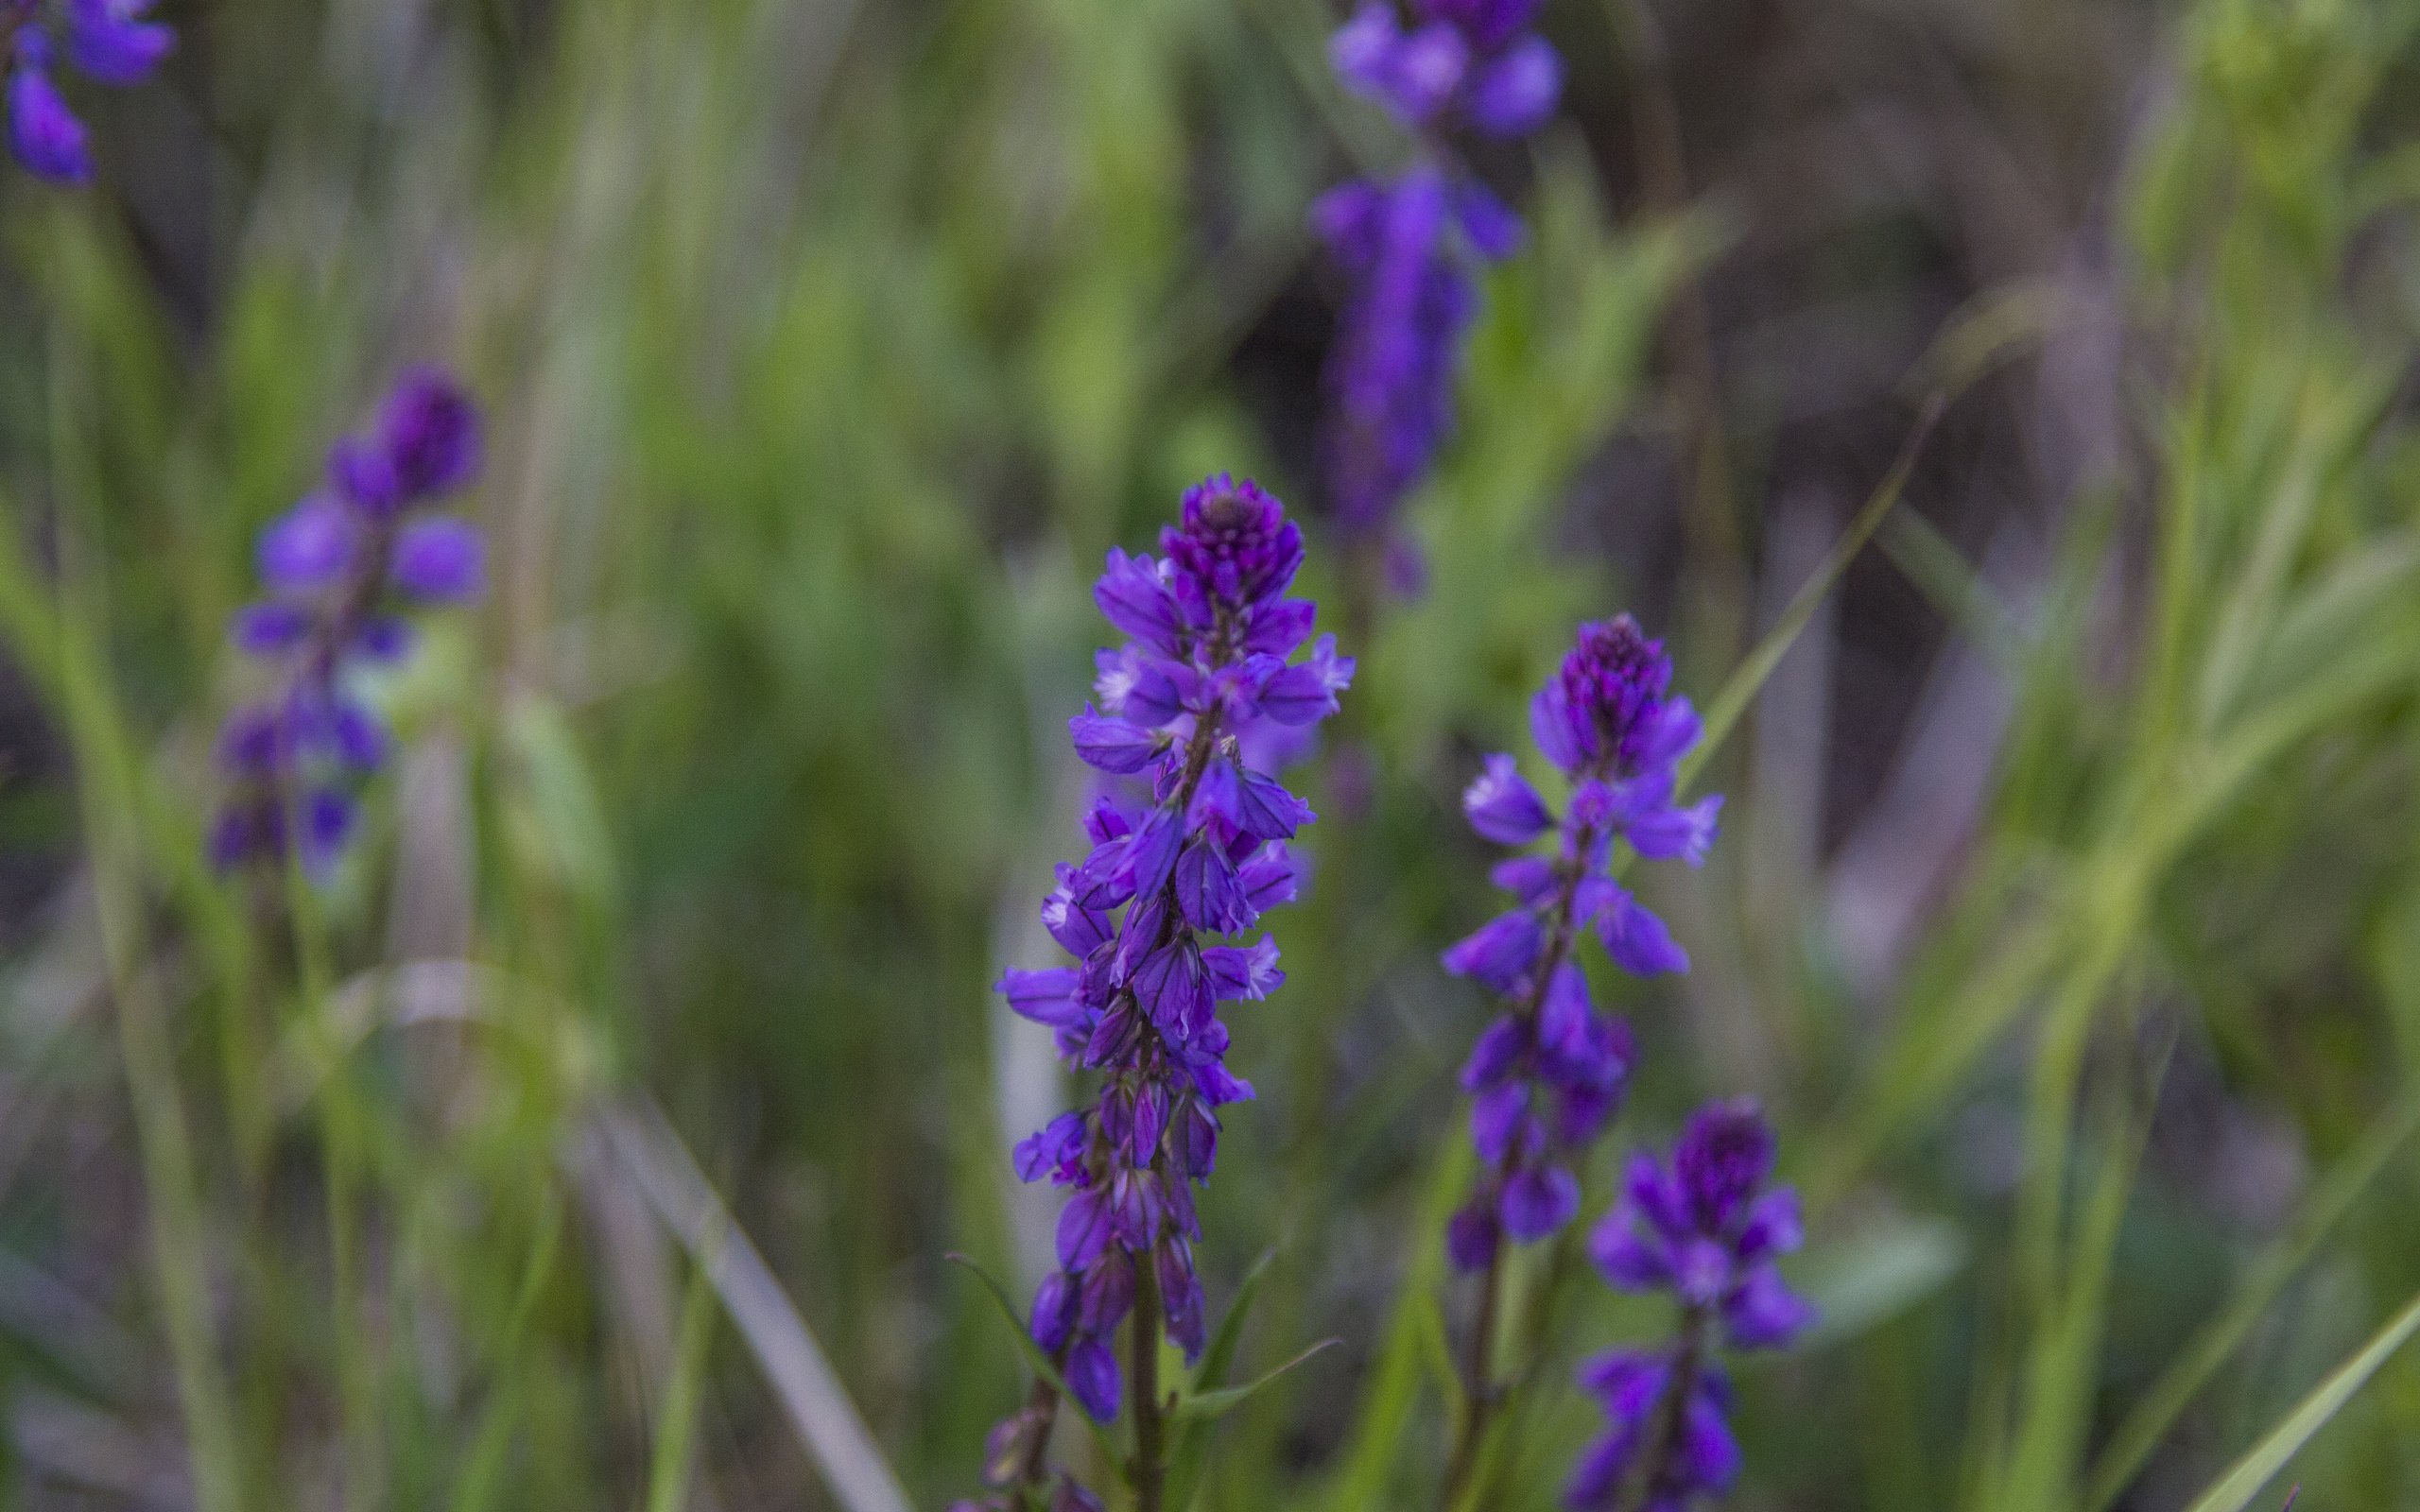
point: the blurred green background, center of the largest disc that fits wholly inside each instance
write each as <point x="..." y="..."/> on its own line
<point x="2066" y="915"/>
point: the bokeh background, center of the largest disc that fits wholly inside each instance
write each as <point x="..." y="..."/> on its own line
<point x="2066" y="915"/>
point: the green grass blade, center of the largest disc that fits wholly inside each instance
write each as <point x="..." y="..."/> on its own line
<point x="1741" y="688"/>
<point x="1191" y="1455"/>
<point x="676" y="1428"/>
<point x="2159" y="1407"/>
<point x="829" y="1427"/>
<point x="1371" y="1456"/>
<point x="1039" y="1360"/>
<point x="2260" y="1464"/>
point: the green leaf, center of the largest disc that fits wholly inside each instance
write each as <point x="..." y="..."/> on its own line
<point x="1040" y="1360"/>
<point x="1371" y="1455"/>
<point x="1190" y="1457"/>
<point x="2236" y="1489"/>
<point x="1225" y="1399"/>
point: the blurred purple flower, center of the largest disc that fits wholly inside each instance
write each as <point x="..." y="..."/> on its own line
<point x="336" y="565"/>
<point x="1705" y="1229"/>
<point x="1408" y="246"/>
<point x="43" y="133"/>
<point x="107" y="41"/>
<point x="1461" y="63"/>
<point x="1699" y="1459"/>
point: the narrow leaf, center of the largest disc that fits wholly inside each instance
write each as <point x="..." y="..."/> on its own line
<point x="1190" y="1457"/>
<point x="1743" y="685"/>
<point x="2157" y="1408"/>
<point x="1037" y="1359"/>
<point x="1227" y="1399"/>
<point x="2236" y="1489"/>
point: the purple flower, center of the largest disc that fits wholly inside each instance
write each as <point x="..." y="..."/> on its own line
<point x="1704" y="1230"/>
<point x="1145" y="912"/>
<point x="1502" y="805"/>
<point x="1408" y="246"/>
<point x="429" y="431"/>
<point x="1092" y="1375"/>
<point x="309" y="546"/>
<point x="439" y="561"/>
<point x="1700" y="1459"/>
<point x="43" y="133"/>
<point x="1547" y="1075"/>
<point x="107" y="41"/>
<point x="1390" y="374"/>
<point x="337" y="566"/>
<point x="1475" y="65"/>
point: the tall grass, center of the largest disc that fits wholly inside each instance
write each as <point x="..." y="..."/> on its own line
<point x="596" y="1136"/>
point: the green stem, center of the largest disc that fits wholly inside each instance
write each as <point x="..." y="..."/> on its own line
<point x="340" y="1135"/>
<point x="1668" y="1436"/>
<point x="1150" y="1461"/>
<point x="1479" y="1387"/>
<point x="107" y="793"/>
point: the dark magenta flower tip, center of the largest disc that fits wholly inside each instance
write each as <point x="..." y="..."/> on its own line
<point x="1603" y="712"/>
<point x="1235" y="541"/>
<point x="430" y="430"/>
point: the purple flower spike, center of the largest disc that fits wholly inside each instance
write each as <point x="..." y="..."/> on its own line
<point x="1410" y="247"/>
<point x="338" y="566"/>
<point x="1702" y="1460"/>
<point x="1701" y="1230"/>
<point x="1188" y="848"/>
<point x="1548" y="1074"/>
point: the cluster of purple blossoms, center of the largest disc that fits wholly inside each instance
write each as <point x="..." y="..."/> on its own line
<point x="106" y="39"/>
<point x="338" y="567"/>
<point x="1408" y="243"/>
<point x="1703" y="1231"/>
<point x="1207" y="672"/>
<point x="1548" y="1073"/>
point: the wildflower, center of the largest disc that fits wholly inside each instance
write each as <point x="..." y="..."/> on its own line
<point x="1467" y="62"/>
<point x="107" y="41"/>
<point x="1547" y="1075"/>
<point x="1408" y="245"/>
<point x="338" y="567"/>
<point x="1171" y="876"/>
<point x="1704" y="1231"/>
